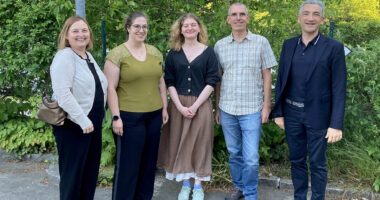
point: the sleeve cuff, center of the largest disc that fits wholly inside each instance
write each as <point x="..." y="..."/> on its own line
<point x="83" y="122"/>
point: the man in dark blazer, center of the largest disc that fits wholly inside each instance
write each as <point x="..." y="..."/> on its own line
<point x="310" y="99"/>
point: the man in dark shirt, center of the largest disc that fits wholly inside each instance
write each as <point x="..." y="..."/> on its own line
<point x="310" y="99"/>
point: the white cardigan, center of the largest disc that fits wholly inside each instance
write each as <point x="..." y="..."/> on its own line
<point x="74" y="85"/>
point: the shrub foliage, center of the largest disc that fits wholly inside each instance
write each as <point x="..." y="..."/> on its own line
<point x="29" y="30"/>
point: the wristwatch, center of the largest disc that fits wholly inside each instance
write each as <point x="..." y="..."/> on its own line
<point x="115" y="118"/>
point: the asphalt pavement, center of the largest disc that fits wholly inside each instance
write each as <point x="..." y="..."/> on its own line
<point x="36" y="178"/>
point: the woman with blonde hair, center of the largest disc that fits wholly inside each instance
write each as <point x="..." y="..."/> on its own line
<point x="80" y="88"/>
<point x="191" y="73"/>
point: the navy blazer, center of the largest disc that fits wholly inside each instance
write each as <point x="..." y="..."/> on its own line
<point x="325" y="84"/>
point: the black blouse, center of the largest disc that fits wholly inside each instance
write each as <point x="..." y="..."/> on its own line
<point x="190" y="79"/>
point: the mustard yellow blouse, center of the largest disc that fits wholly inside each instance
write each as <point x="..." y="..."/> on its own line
<point x="138" y="88"/>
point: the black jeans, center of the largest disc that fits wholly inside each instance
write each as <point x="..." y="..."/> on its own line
<point x="136" y="155"/>
<point x="304" y="141"/>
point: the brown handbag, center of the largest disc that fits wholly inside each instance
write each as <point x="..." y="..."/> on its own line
<point x="50" y="112"/>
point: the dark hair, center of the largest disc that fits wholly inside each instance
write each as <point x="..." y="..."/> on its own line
<point x="131" y="17"/>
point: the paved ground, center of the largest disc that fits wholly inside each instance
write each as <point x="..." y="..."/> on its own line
<point x="34" y="179"/>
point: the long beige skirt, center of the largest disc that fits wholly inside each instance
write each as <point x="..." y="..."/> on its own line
<point x="186" y="144"/>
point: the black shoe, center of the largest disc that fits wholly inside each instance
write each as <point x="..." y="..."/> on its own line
<point x="236" y="194"/>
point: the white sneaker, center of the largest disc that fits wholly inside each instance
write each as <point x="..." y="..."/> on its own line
<point x="198" y="194"/>
<point x="184" y="194"/>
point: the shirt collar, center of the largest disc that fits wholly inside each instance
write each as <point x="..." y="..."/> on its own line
<point x="314" y="41"/>
<point x="249" y="36"/>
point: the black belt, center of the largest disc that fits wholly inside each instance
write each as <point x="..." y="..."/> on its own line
<point x="295" y="103"/>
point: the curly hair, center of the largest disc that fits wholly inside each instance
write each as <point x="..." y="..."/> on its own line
<point x="176" y="37"/>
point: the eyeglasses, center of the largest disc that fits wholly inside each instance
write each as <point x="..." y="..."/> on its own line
<point x="242" y="14"/>
<point x="138" y="27"/>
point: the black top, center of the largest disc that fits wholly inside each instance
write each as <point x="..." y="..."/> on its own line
<point x="99" y="95"/>
<point x="302" y="61"/>
<point x="190" y="79"/>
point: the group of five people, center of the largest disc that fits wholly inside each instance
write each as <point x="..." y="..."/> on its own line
<point x="309" y="104"/>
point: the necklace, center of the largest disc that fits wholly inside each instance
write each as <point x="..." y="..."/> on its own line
<point x="87" y="59"/>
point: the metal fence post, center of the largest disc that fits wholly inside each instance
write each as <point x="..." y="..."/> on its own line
<point x="104" y="41"/>
<point x="331" y="29"/>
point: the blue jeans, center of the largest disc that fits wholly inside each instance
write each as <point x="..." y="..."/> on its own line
<point x="242" y="136"/>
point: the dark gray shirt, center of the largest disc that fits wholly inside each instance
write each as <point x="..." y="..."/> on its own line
<point x="302" y="62"/>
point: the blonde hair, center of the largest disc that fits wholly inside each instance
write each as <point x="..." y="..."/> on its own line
<point x="176" y="37"/>
<point x="62" y="40"/>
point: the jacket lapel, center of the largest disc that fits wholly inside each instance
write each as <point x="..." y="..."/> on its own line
<point x="288" y="61"/>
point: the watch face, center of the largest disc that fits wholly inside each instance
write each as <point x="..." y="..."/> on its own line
<point x="115" y="118"/>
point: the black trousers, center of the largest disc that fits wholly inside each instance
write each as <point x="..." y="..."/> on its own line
<point x="136" y="155"/>
<point x="79" y="157"/>
<point x="305" y="142"/>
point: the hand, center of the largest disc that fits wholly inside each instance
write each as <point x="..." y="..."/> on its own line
<point x="165" y="116"/>
<point x="193" y="110"/>
<point x="280" y="122"/>
<point x="88" y="129"/>
<point x="217" y="116"/>
<point x="333" y="135"/>
<point x="117" y="127"/>
<point x="185" y="112"/>
<point x="265" y="114"/>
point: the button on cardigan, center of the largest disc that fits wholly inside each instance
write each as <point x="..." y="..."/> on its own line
<point x="190" y="79"/>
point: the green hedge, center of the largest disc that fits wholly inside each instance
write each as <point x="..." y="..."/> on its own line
<point x="29" y="30"/>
